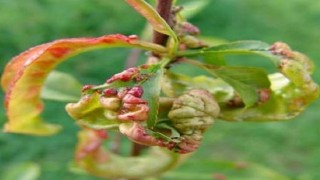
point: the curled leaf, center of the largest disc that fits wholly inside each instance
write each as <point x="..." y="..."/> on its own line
<point x="292" y="89"/>
<point x="192" y="113"/>
<point x="129" y="96"/>
<point x="95" y="112"/>
<point x="247" y="81"/>
<point x="98" y="161"/>
<point x="138" y="134"/>
<point x="25" y="74"/>
<point x="290" y="92"/>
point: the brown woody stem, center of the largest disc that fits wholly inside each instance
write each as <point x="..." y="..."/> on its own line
<point x="164" y="9"/>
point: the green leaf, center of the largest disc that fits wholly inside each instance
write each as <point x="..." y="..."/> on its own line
<point x="174" y="132"/>
<point x="224" y="170"/>
<point x="174" y="84"/>
<point x="215" y="59"/>
<point x="22" y="171"/>
<point x="192" y="8"/>
<point x="89" y="112"/>
<point x="25" y="75"/>
<point x="156" y="21"/>
<point x="212" y="41"/>
<point x="97" y="160"/>
<point x="152" y="16"/>
<point x="239" y="47"/>
<point x="245" y="80"/>
<point x="61" y="86"/>
<point x="283" y="102"/>
<point x="152" y="89"/>
<point x="159" y="135"/>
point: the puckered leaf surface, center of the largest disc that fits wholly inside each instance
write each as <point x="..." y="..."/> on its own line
<point x="245" y="80"/>
<point x="290" y="92"/>
<point x="25" y="74"/>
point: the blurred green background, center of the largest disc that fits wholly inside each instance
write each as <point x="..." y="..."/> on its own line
<point x="232" y="150"/>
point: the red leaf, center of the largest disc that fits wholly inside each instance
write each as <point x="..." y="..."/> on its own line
<point x="25" y="74"/>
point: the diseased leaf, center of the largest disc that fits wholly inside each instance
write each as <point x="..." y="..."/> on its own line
<point x="245" y="80"/>
<point x="239" y="47"/>
<point x="173" y="132"/>
<point x="25" y="74"/>
<point x="290" y="92"/>
<point x="159" y="135"/>
<point x="221" y="90"/>
<point x="89" y="112"/>
<point x="174" y="84"/>
<point x="97" y="160"/>
<point x="152" y="88"/>
<point x="61" y="86"/>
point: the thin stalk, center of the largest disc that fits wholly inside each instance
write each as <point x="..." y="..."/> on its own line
<point x="164" y="9"/>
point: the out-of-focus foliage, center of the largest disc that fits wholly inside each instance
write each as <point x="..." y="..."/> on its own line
<point x="22" y="171"/>
<point x="290" y="148"/>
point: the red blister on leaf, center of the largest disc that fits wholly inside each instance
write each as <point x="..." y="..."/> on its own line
<point x="25" y="74"/>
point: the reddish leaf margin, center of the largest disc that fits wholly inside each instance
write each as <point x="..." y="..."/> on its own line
<point x="25" y="74"/>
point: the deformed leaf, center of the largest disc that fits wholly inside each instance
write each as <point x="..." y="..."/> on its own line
<point x="61" y="86"/>
<point x="89" y="112"/>
<point x="245" y="80"/>
<point x="97" y="160"/>
<point x="175" y="84"/>
<point x="152" y="88"/>
<point x="173" y="132"/>
<point x="239" y="47"/>
<point x="25" y="74"/>
<point x="221" y="90"/>
<point x="290" y="92"/>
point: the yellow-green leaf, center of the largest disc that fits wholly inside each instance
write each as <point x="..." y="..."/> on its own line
<point x="245" y="80"/>
<point x="147" y="11"/>
<point x="24" y="76"/>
